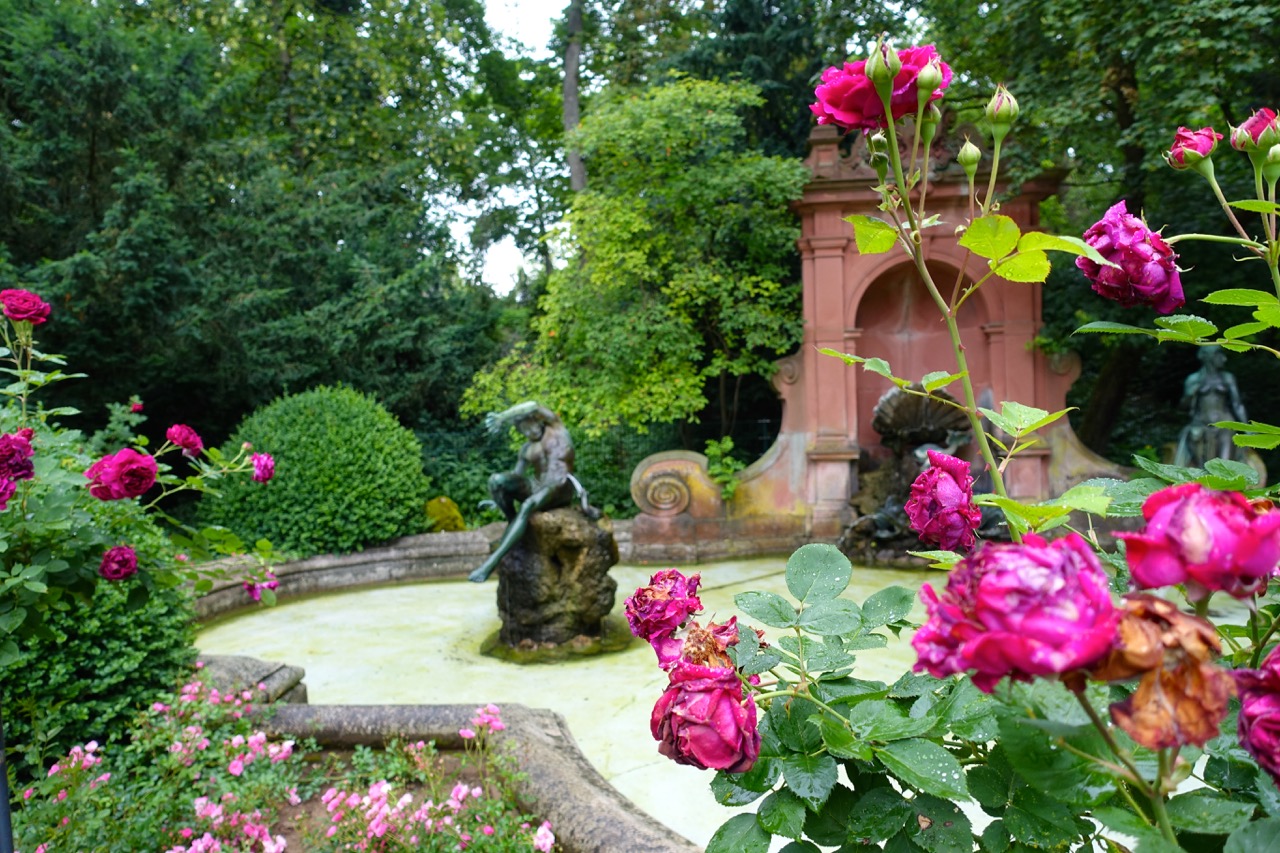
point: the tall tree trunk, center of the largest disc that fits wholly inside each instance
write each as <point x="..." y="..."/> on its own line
<point x="572" y="111"/>
<point x="1109" y="391"/>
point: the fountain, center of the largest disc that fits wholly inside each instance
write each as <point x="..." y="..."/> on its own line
<point x="554" y="587"/>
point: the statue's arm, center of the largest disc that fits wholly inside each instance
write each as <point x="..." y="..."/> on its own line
<point x="497" y="421"/>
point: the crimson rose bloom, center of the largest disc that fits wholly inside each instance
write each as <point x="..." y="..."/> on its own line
<point x="1192" y="146"/>
<point x="15" y="455"/>
<point x="1145" y="273"/>
<point x="264" y="467"/>
<point x="941" y="505"/>
<point x="1259" y="721"/>
<point x="125" y="474"/>
<point x="7" y="490"/>
<point x="848" y="99"/>
<point x="1022" y="610"/>
<point x="659" y="609"/>
<point x="186" y="438"/>
<point x="703" y="719"/>
<point x="1206" y="540"/>
<point x="1259" y="132"/>
<point x="24" y="305"/>
<point x="118" y="563"/>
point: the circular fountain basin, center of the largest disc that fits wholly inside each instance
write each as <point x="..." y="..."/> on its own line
<point x="419" y="643"/>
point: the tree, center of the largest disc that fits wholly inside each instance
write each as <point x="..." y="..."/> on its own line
<point x="228" y="201"/>
<point x="1102" y="88"/>
<point x="683" y="270"/>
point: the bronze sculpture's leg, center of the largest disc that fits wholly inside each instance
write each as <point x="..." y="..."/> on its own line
<point x="545" y="498"/>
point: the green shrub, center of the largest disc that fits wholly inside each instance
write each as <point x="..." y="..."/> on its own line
<point x="347" y="475"/>
<point x="100" y="664"/>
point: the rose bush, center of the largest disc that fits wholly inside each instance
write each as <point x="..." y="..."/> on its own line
<point x="1025" y="651"/>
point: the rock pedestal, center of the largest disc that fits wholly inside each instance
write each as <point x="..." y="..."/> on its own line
<point x="554" y="585"/>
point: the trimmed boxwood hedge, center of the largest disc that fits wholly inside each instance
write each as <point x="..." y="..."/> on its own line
<point x="347" y="475"/>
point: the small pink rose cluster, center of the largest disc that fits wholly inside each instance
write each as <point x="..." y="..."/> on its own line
<point x="186" y="438"/>
<point x="486" y="719"/>
<point x="941" y="507"/>
<point x="848" y="98"/>
<point x="703" y="718"/>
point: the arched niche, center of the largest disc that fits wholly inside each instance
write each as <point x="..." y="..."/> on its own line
<point x="894" y="318"/>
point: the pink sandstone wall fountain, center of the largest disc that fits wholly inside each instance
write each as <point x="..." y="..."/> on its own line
<point x="873" y="305"/>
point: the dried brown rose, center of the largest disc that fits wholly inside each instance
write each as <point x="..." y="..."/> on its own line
<point x="1182" y="695"/>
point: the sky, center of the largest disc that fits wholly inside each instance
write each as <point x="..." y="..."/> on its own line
<point x="529" y="22"/>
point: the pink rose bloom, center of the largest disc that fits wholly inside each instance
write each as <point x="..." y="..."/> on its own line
<point x="125" y="474"/>
<point x="659" y="609"/>
<point x="185" y="437"/>
<point x="264" y="467"/>
<point x="1034" y="609"/>
<point x="1145" y="273"/>
<point x="1258" y="133"/>
<point x="848" y="99"/>
<point x="1192" y="146"/>
<point x="543" y="839"/>
<point x="118" y="563"/>
<point x="15" y="455"/>
<point x="136" y="408"/>
<point x="704" y="720"/>
<point x="8" y="488"/>
<point x="941" y="507"/>
<point x="24" y="305"/>
<point x="1259" y="721"/>
<point x="1206" y="540"/>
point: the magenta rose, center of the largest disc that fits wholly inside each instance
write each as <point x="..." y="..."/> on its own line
<point x="1206" y="540"/>
<point x="15" y="455"/>
<point x="7" y="490"/>
<point x="1023" y="610"/>
<point x="659" y="609"/>
<point x="118" y="563"/>
<point x="703" y="719"/>
<point x="1191" y="146"/>
<point x="124" y="474"/>
<point x="1259" y="721"/>
<point x="941" y="507"/>
<point x="264" y="467"/>
<point x="185" y="437"/>
<point x="1145" y="272"/>
<point x="24" y="305"/>
<point x="848" y="99"/>
<point x="254" y="588"/>
<point x="1258" y="133"/>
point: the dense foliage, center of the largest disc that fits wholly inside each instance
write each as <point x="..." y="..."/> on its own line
<point x="229" y="201"/>
<point x="349" y="475"/>
<point x="682" y="233"/>
<point x="101" y="662"/>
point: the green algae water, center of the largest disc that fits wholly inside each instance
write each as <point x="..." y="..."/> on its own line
<point x="420" y="643"/>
